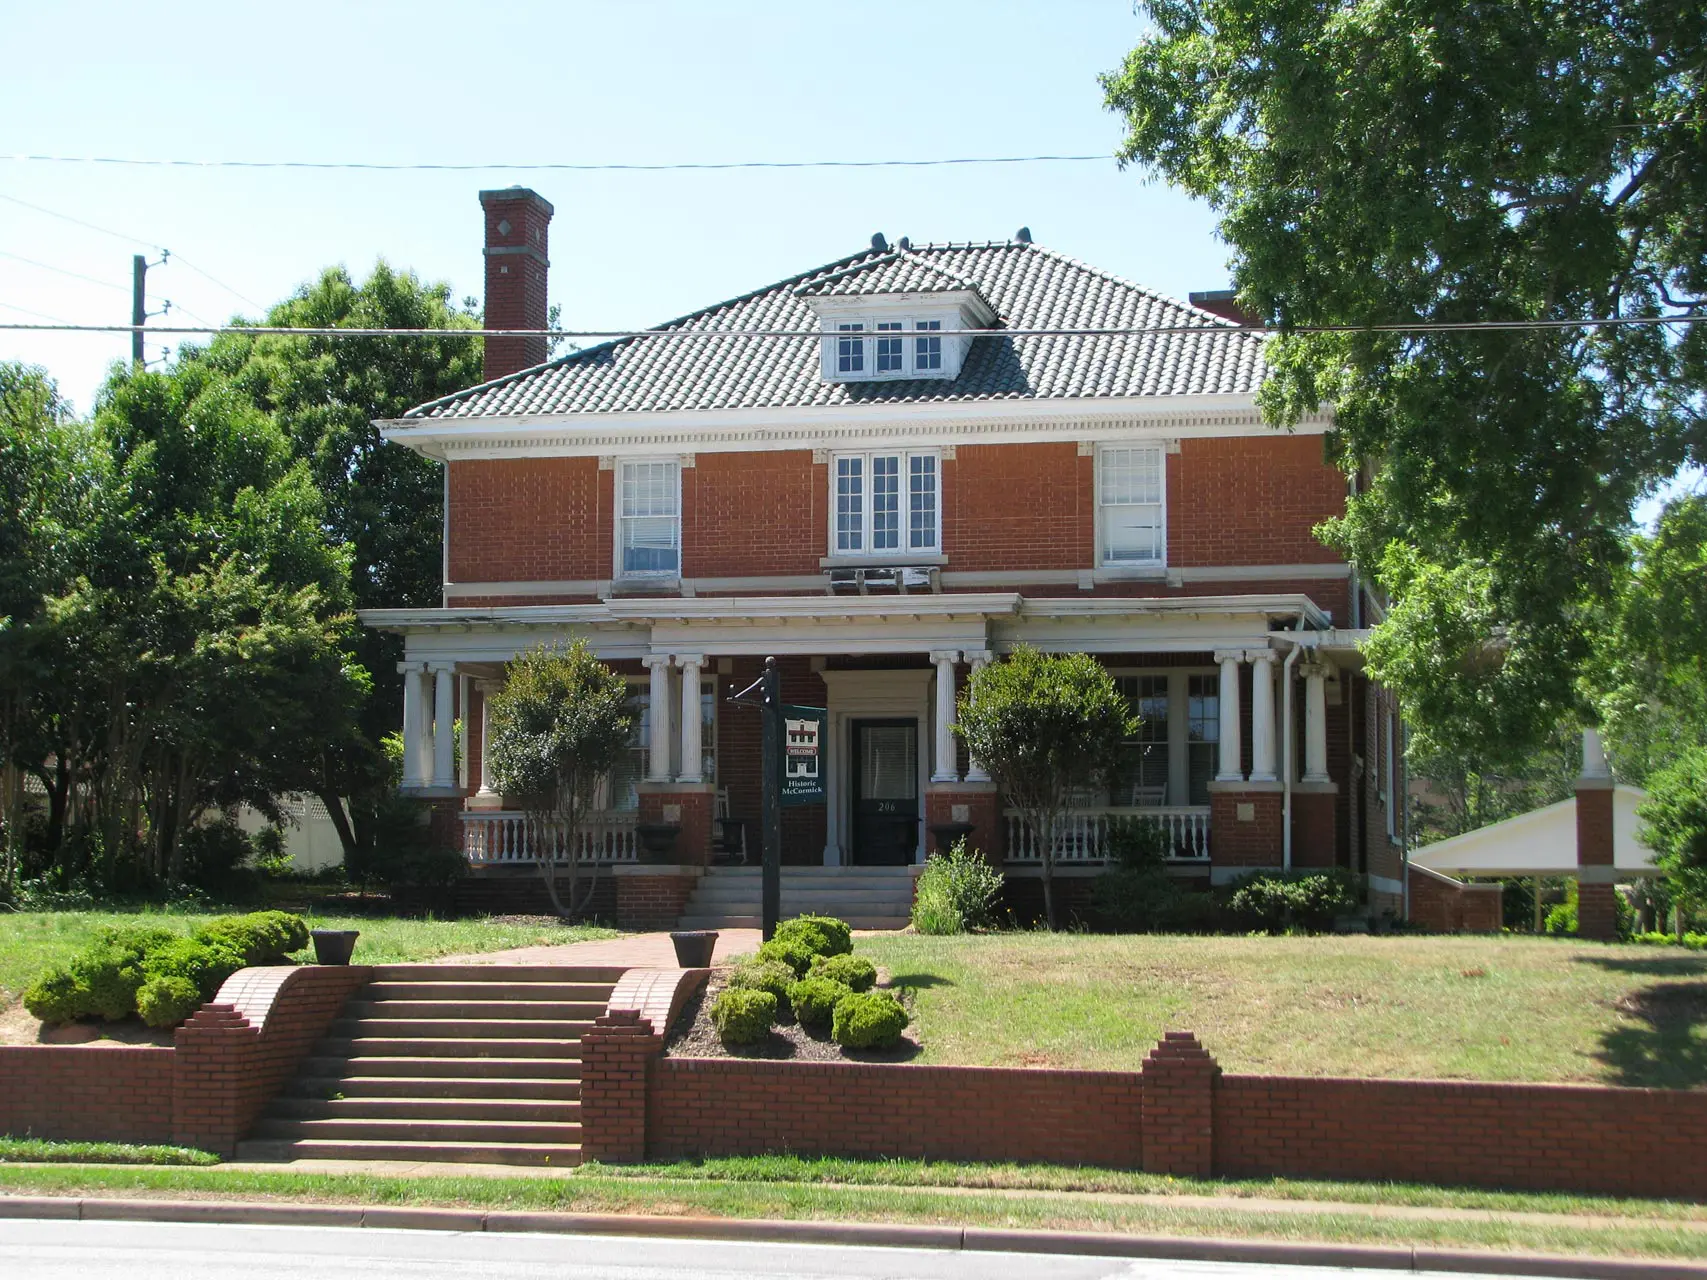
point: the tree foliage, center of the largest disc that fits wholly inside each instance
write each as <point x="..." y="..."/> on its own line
<point x="1045" y="726"/>
<point x="1379" y="162"/>
<point x="559" y="726"/>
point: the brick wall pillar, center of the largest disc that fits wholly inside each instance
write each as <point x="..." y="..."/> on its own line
<point x="616" y="1052"/>
<point x="1597" y="903"/>
<point x="1245" y="825"/>
<point x="972" y="802"/>
<point x="1314" y="842"/>
<point x="688" y="805"/>
<point x="1177" y="1127"/>
<point x="214" y="1079"/>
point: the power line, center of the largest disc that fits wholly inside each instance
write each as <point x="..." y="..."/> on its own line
<point x="48" y="266"/>
<point x="548" y="166"/>
<point x="12" y="306"/>
<point x="1198" y="330"/>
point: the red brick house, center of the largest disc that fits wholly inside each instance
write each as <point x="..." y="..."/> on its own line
<point x="878" y="472"/>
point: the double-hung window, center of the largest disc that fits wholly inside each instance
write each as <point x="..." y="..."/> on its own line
<point x="1130" y="505"/>
<point x="850" y="349"/>
<point x="649" y="519"/>
<point x="873" y="348"/>
<point x="886" y="504"/>
<point x="927" y="351"/>
<point x="1140" y="780"/>
<point x="891" y="351"/>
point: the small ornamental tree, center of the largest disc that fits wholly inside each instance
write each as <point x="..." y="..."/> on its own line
<point x="1045" y="725"/>
<point x="559" y="726"/>
<point x="1674" y="825"/>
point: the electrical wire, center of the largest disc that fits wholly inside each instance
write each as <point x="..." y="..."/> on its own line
<point x="1197" y="330"/>
<point x="75" y="275"/>
<point x="12" y="306"/>
<point x="548" y="166"/>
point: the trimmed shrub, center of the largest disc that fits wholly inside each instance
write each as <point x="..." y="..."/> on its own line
<point x="957" y="891"/>
<point x="57" y="996"/>
<point x="167" y="1001"/>
<point x="822" y="935"/>
<point x="742" y="1016"/>
<point x="815" y="998"/>
<point x="204" y="965"/>
<point x="763" y="975"/>
<point x="855" y="972"/>
<point x="867" y="1020"/>
<point x="111" y="969"/>
<point x="1273" y="902"/>
<point x="260" y="937"/>
<point x="793" y="953"/>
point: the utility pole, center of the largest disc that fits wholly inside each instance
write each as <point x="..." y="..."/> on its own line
<point x="138" y="308"/>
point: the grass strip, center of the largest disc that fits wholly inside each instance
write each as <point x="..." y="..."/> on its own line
<point x="596" y="1192"/>
<point x="1041" y="1177"/>
<point x="41" y="1151"/>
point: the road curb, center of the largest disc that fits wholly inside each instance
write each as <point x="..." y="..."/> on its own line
<point x="891" y="1235"/>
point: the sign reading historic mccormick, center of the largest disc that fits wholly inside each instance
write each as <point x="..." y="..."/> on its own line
<point x="802" y="755"/>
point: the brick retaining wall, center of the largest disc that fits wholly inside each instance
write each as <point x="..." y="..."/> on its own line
<point x="88" y="1093"/>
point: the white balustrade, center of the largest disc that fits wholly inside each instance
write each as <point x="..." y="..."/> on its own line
<point x="1083" y="834"/>
<point x="491" y="837"/>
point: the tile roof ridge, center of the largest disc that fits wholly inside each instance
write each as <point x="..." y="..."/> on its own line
<point x="1215" y="321"/>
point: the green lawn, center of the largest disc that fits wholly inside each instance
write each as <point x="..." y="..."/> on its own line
<point x="32" y="940"/>
<point x="1502" y="1008"/>
<point x="1573" y="1226"/>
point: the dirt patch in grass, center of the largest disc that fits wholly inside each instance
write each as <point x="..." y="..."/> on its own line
<point x="693" y="1036"/>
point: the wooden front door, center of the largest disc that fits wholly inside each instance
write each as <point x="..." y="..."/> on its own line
<point x="885" y="792"/>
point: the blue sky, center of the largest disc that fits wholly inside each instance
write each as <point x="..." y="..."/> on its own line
<point x="636" y="81"/>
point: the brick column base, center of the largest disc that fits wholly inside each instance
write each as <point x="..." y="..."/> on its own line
<point x="1177" y="1126"/>
<point x="1244" y="827"/>
<point x="649" y="897"/>
<point x="1597" y="899"/>
<point x="687" y="804"/>
<point x="972" y="802"/>
<point x="1597" y="912"/>
<point x="1313" y="834"/>
<point x="615" y="1054"/>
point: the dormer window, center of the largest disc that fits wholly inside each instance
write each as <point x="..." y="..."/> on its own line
<point x="927" y="352"/>
<point x="891" y="352"/>
<point x="850" y="351"/>
<point x="886" y="347"/>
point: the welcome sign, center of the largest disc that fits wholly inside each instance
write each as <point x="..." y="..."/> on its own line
<point x="803" y="743"/>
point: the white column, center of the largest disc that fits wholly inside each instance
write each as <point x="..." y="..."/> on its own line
<point x="487" y="689"/>
<point x="1316" y="722"/>
<point x="658" y="707"/>
<point x="979" y="658"/>
<point x="692" y="754"/>
<point x="444" y="725"/>
<point x="1231" y="769"/>
<point x="1262" y="715"/>
<point x="414" y="726"/>
<point x="945" y="756"/>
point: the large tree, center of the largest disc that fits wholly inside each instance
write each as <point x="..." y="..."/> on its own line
<point x="1428" y="162"/>
<point x="383" y="501"/>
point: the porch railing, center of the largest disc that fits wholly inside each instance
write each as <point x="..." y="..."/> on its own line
<point x="1083" y="835"/>
<point x="493" y="837"/>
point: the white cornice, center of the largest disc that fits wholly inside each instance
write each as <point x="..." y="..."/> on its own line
<point x="837" y="426"/>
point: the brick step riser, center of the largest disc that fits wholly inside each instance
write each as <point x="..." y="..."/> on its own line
<point x="605" y="976"/>
<point x="475" y="1088"/>
<point x="486" y="1131"/>
<point x="559" y="1156"/>
<point x="572" y="992"/>
<point x="353" y="1067"/>
<point x="487" y="1010"/>
<point x="458" y="1029"/>
<point x="466" y="1050"/>
<point x="522" y="1111"/>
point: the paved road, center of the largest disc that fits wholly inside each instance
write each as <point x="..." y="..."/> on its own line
<point x="32" y="1250"/>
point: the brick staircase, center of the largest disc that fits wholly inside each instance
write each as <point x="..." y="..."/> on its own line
<point x="463" y="1063"/>
<point x="866" y="897"/>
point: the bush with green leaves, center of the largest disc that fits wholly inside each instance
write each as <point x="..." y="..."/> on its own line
<point x="791" y="953"/>
<point x="742" y="1016"/>
<point x="111" y="969"/>
<point x="815" y="998"/>
<point x="856" y="972"/>
<point x="205" y="965"/>
<point x="956" y="891"/>
<point x="1674" y="825"/>
<point x="260" y="937"/>
<point x="1304" y="901"/>
<point x="763" y="975"/>
<point x="57" y="996"/>
<point x="820" y="935"/>
<point x="1562" y="916"/>
<point x="167" y="1001"/>
<point x="868" y="1020"/>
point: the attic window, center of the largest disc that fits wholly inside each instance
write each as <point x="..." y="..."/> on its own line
<point x="850" y="352"/>
<point x="896" y="347"/>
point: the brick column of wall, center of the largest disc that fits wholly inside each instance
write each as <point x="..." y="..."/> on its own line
<point x="615" y="1053"/>
<point x="1313" y="826"/>
<point x="688" y="805"/>
<point x="1245" y="827"/>
<point x="652" y="901"/>
<point x="1597" y="902"/>
<point x="969" y="802"/>
<point x="1177" y="1126"/>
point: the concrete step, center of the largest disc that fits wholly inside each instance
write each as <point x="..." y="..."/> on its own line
<point x="347" y="1108"/>
<point x="742" y="890"/>
<point x="556" y="1133"/>
<point x="487" y="1010"/>
<point x="461" y="1028"/>
<point x="439" y="1067"/>
<point x="557" y="1155"/>
<point x="506" y="973"/>
<point x="575" y="992"/>
<point x="754" y="921"/>
<point x="335" y="1046"/>
<point x="530" y="1088"/>
<point x="812" y="873"/>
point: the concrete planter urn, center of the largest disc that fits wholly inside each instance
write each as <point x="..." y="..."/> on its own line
<point x="694" y="947"/>
<point x="947" y="833"/>
<point x="334" y="946"/>
<point x="657" y="840"/>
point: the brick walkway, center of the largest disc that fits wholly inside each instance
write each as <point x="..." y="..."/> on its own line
<point x="634" y="950"/>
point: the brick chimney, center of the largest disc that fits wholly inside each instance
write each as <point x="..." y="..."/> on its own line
<point x="1223" y="303"/>
<point x="518" y="222"/>
<point x="1597" y="898"/>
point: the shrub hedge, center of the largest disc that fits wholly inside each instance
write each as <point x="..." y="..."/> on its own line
<point x="867" y="1020"/>
<point x="815" y="998"/>
<point x="821" y="935"/>
<point x="855" y="972"/>
<point x="763" y="975"/>
<point x="742" y="1016"/>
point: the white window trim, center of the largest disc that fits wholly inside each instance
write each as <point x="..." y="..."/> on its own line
<point x="1133" y="568"/>
<point x="643" y="575"/>
<point x="909" y="333"/>
<point x="904" y="554"/>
